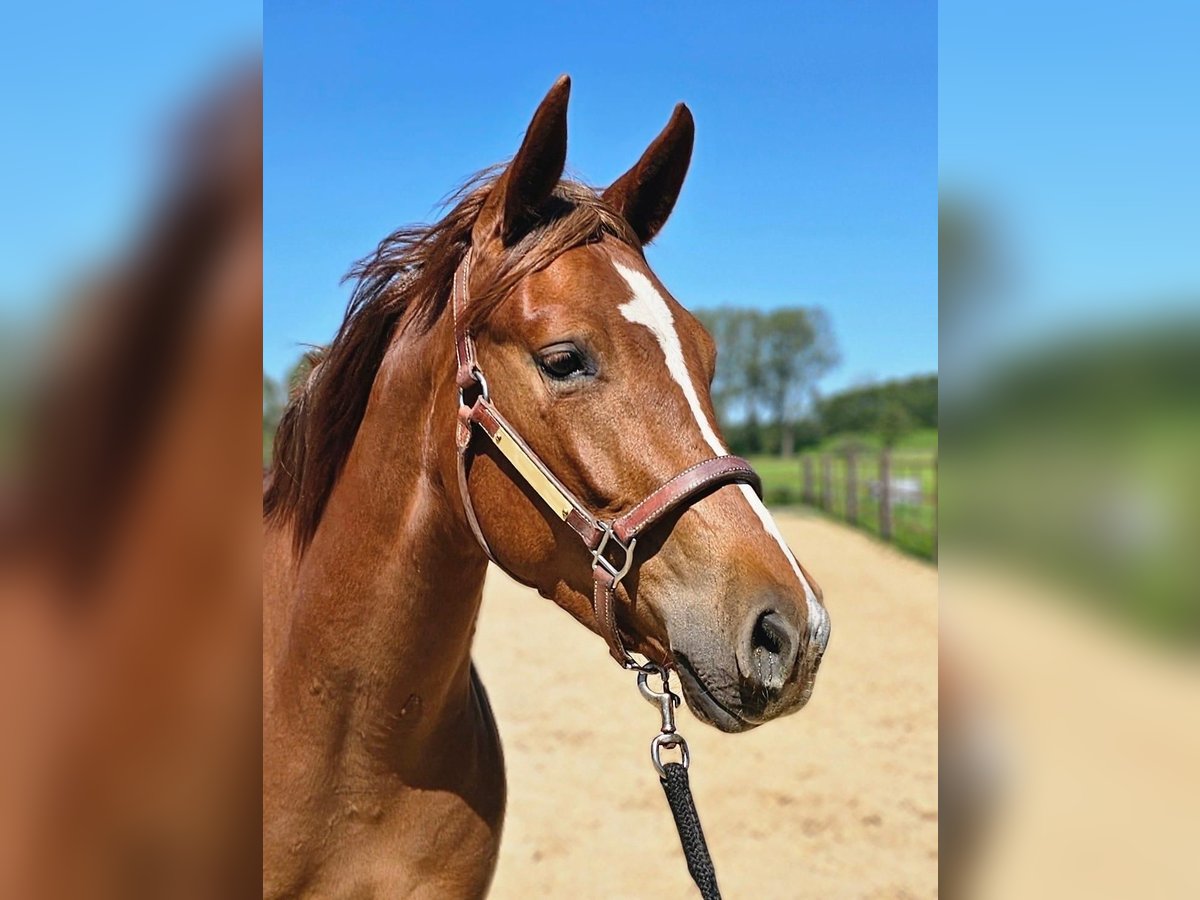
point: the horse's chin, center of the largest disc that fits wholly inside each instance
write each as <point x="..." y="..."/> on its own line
<point x="706" y="707"/>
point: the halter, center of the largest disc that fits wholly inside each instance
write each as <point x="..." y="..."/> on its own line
<point x="603" y="539"/>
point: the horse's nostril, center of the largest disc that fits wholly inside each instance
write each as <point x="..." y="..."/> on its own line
<point x="774" y="642"/>
<point x="768" y="633"/>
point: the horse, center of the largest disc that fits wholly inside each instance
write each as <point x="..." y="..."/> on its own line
<point x="395" y="479"/>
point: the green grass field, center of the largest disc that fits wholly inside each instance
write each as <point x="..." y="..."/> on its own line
<point x="914" y="511"/>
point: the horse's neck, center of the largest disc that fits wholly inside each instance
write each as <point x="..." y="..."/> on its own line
<point x="374" y="636"/>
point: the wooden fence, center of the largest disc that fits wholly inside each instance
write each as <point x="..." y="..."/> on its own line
<point x="893" y="495"/>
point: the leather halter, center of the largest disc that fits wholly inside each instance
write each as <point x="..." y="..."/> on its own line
<point x="599" y="537"/>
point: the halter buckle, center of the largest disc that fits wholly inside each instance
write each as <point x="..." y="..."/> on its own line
<point x="598" y="559"/>
<point x="477" y="374"/>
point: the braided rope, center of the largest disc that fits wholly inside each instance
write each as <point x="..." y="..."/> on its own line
<point x="691" y="835"/>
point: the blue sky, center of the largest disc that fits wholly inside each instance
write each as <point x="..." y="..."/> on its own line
<point x="90" y="94"/>
<point x="1074" y="128"/>
<point x="814" y="179"/>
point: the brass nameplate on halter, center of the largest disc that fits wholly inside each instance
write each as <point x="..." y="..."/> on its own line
<point x="529" y="470"/>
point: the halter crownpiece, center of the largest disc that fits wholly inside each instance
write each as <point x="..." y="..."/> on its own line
<point x="602" y="539"/>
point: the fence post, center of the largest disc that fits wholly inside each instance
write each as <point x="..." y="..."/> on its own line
<point x="851" y="488"/>
<point x="826" y="483"/>
<point x="807" y="493"/>
<point x="885" y="494"/>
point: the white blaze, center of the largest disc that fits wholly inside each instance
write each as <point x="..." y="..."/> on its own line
<point x="647" y="307"/>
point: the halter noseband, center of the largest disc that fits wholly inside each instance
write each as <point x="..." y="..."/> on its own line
<point x="599" y="537"/>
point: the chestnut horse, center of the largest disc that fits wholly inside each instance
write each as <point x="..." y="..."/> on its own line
<point x="382" y="765"/>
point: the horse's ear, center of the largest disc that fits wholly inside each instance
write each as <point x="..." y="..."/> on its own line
<point x="646" y="194"/>
<point x="532" y="175"/>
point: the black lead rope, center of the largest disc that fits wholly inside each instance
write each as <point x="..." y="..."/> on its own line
<point x="691" y="835"/>
<point x="674" y="778"/>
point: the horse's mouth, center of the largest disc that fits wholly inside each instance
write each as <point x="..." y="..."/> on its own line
<point x="704" y="704"/>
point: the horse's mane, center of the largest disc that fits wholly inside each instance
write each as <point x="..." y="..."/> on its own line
<point x="404" y="286"/>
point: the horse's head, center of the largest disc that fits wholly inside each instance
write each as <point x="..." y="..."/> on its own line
<point x="606" y="377"/>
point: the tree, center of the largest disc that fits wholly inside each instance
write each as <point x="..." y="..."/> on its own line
<point x="969" y="265"/>
<point x="796" y="348"/>
<point x="862" y="409"/>
<point x="894" y="423"/>
<point x="273" y="402"/>
<point x="767" y="367"/>
<point x="738" y="383"/>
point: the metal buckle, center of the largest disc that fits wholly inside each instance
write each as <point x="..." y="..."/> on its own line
<point x="606" y="535"/>
<point x="483" y="387"/>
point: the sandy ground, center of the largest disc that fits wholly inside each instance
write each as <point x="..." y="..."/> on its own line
<point x="1094" y="736"/>
<point x="839" y="800"/>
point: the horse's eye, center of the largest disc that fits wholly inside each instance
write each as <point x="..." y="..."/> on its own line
<point x="563" y="361"/>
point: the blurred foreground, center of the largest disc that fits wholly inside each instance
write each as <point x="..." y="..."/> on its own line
<point x="1071" y="619"/>
<point x="1070" y="356"/>
<point x="1081" y="747"/>
<point x="1071" y="615"/>
<point x="130" y="615"/>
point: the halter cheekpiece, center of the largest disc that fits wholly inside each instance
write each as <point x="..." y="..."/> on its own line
<point x="611" y="544"/>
